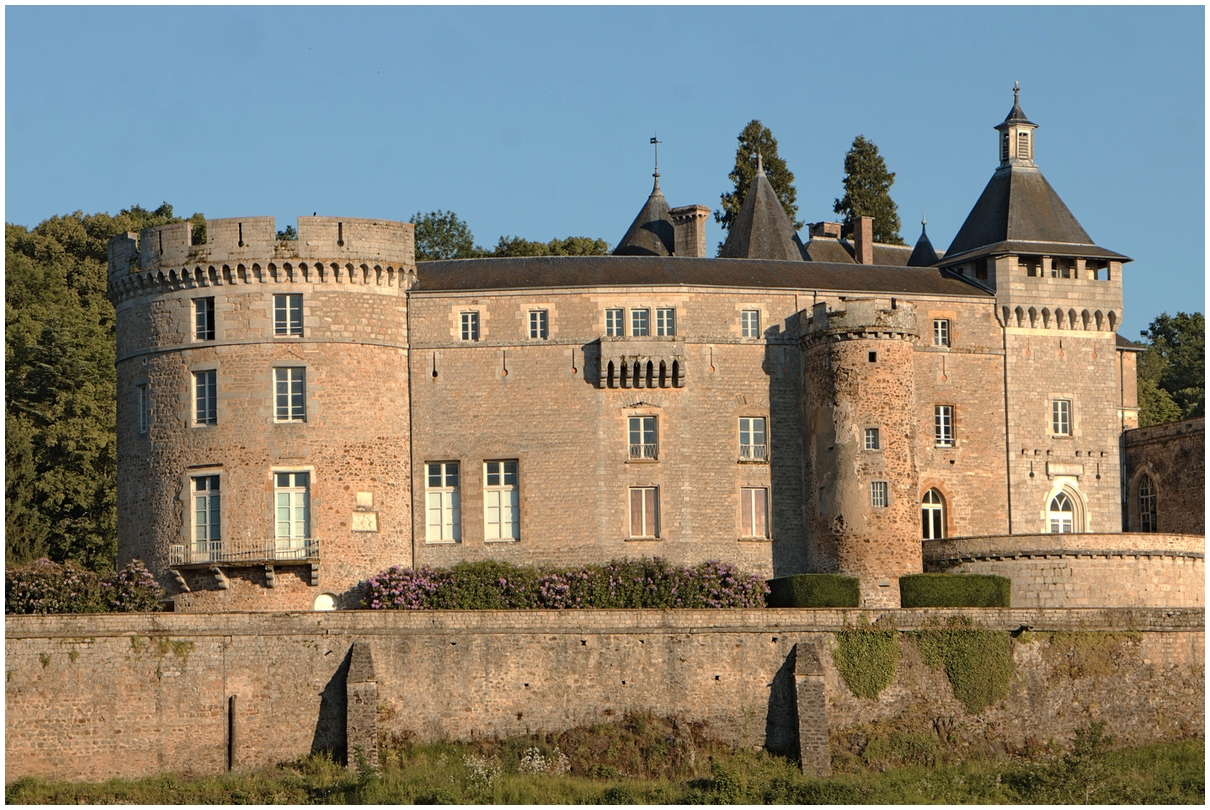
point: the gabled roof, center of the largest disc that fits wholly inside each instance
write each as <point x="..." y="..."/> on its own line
<point x="761" y="230"/>
<point x="651" y="233"/>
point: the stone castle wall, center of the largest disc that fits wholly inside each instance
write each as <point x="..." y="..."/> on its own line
<point x="1174" y="457"/>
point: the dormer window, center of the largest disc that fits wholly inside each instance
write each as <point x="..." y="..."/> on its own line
<point x="1023" y="146"/>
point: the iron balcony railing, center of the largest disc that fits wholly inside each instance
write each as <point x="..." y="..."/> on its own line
<point x="754" y="452"/>
<point x="647" y="451"/>
<point x="244" y="551"/>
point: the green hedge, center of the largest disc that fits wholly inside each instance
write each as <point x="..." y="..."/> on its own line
<point x="954" y="590"/>
<point x="814" y="591"/>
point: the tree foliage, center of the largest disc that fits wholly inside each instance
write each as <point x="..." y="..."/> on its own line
<point x="571" y="246"/>
<point x="754" y="138"/>
<point x="1172" y="370"/>
<point x="867" y="192"/>
<point x="442" y="235"/>
<point x="60" y="409"/>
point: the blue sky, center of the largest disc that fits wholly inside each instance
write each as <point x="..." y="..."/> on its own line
<point x="535" y="121"/>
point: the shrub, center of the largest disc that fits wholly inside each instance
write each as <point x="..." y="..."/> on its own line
<point x="954" y="590"/>
<point x="815" y="591"/>
<point x="48" y="587"/>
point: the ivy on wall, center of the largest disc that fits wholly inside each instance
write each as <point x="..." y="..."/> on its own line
<point x="866" y="658"/>
<point x="977" y="662"/>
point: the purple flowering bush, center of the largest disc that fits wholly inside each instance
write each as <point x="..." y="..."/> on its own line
<point x="650" y="582"/>
<point x="49" y="587"/>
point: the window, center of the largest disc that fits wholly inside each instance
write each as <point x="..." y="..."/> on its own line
<point x="501" y="509"/>
<point x="754" y="503"/>
<point x="932" y="515"/>
<point x="872" y="357"/>
<point x="943" y="425"/>
<point x="644" y="512"/>
<point x="1060" y="417"/>
<point x="205" y="397"/>
<point x="1023" y="145"/>
<point x="613" y="322"/>
<point x="1061" y="514"/>
<point x="749" y="322"/>
<point x="144" y="408"/>
<point x="941" y="332"/>
<point x="444" y="513"/>
<point x="643" y="441"/>
<point x="639" y="322"/>
<point x="207" y="514"/>
<point x="1147" y="522"/>
<point x="752" y="443"/>
<point x="872" y="439"/>
<point x="878" y="494"/>
<point x="290" y="386"/>
<point x="287" y="315"/>
<point x="292" y="507"/>
<point x="470" y="326"/>
<point x="665" y="322"/>
<point x="203" y="318"/>
<point x="538" y="324"/>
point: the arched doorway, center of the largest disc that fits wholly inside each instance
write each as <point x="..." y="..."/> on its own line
<point x="1061" y="514"/>
<point x="932" y="515"/>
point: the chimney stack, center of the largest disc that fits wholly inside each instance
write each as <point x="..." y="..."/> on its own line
<point x="863" y="240"/>
<point x="689" y="230"/>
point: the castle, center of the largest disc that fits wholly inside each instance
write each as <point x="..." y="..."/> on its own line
<point x="296" y="416"/>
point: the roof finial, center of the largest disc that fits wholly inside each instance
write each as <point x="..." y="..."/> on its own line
<point x="1016" y="92"/>
<point x="760" y="168"/>
<point x="923" y="223"/>
<point x="655" y="141"/>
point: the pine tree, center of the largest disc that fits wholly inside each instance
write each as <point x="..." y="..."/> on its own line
<point x="867" y="192"/>
<point x="756" y="137"/>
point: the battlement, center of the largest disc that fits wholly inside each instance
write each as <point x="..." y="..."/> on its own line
<point x="861" y="317"/>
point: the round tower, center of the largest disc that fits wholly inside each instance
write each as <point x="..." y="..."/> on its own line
<point x="860" y="403"/>
<point x="263" y="411"/>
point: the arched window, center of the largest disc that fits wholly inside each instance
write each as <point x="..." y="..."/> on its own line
<point x="932" y="515"/>
<point x="1146" y="505"/>
<point x="1061" y="514"/>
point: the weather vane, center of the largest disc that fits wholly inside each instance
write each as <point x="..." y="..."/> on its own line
<point x="655" y="141"/>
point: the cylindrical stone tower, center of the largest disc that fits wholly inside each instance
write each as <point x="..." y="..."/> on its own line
<point x="263" y="411"/>
<point x="859" y="407"/>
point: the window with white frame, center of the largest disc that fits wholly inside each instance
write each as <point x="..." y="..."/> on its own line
<point x="932" y="515"/>
<point x="501" y="504"/>
<point x="644" y="439"/>
<point x="878" y="494"/>
<point x="753" y="444"/>
<point x="470" y="326"/>
<point x="943" y="425"/>
<point x="288" y="315"/>
<point x="749" y="320"/>
<point x="941" y="332"/>
<point x="203" y="318"/>
<point x="144" y="407"/>
<point x="872" y="439"/>
<point x="614" y="322"/>
<point x="292" y="512"/>
<point x="644" y="512"/>
<point x="754" y="506"/>
<point x="1061" y="514"/>
<point x="205" y="397"/>
<point x="640" y="325"/>
<point x="290" y="394"/>
<point x="442" y="502"/>
<point x="1147" y="522"/>
<point x="665" y="322"/>
<point x="207" y="518"/>
<point x="538" y="324"/>
<point x="1060" y="417"/>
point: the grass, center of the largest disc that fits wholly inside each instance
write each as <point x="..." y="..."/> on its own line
<point x="649" y="760"/>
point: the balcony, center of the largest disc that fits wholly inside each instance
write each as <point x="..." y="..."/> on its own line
<point x="753" y="452"/>
<point x="250" y="552"/>
<point x="644" y="452"/>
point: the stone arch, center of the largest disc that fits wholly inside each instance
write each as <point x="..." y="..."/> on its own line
<point x="1020" y="316"/>
<point x="624" y="378"/>
<point x="677" y="381"/>
<point x="365" y="275"/>
<point x="663" y="374"/>
<point x="1113" y="321"/>
<point x="1045" y="318"/>
<point x="610" y="382"/>
<point x="1033" y="318"/>
<point x="1007" y="315"/>
<point x="934" y="514"/>
<point x="1134" y="489"/>
<point x="1065" y="509"/>
<point x="1086" y="318"/>
<point x="1100" y="320"/>
<point x="1072" y="322"/>
<point x="650" y="374"/>
<point x="1060" y="318"/>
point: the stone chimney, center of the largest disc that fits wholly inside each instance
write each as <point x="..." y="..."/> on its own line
<point x="827" y="230"/>
<point x="689" y="230"/>
<point x="863" y="240"/>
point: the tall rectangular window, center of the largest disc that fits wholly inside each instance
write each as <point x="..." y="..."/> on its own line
<point x="288" y="315"/>
<point x="203" y="318"/>
<point x="640" y="322"/>
<point x="873" y="441"/>
<point x="614" y="326"/>
<point x="665" y="322"/>
<point x="943" y="425"/>
<point x="538" y="324"/>
<point x="290" y="394"/>
<point x="941" y="332"/>
<point x="754" y="504"/>
<point x="292" y="512"/>
<point x="501" y="505"/>
<point x="470" y="326"/>
<point x="442" y="503"/>
<point x="1060" y="417"/>
<point x="878" y="494"/>
<point x="207" y="518"/>
<point x="205" y="397"/>
<point x="752" y="442"/>
<point x="644" y="442"/>
<point x="144" y="408"/>
<point x="644" y="512"/>
<point x="749" y="320"/>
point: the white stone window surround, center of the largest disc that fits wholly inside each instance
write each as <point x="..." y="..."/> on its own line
<point x="289" y="394"/>
<point x="749" y="323"/>
<point x="501" y="501"/>
<point x="203" y="319"/>
<point x="665" y="322"/>
<point x="640" y="322"/>
<point x="615" y="322"/>
<point x="872" y="439"/>
<point x="932" y="515"/>
<point x="442" y="502"/>
<point x="1067" y="486"/>
<point x="469" y="325"/>
<point x="880" y="497"/>
<point x="539" y="324"/>
<point x="941" y="332"/>
<point x="203" y="383"/>
<point x="943" y="426"/>
<point x="1062" y="417"/>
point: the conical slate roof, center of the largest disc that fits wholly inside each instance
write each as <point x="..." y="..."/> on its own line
<point x="924" y="254"/>
<point x="1016" y="114"/>
<point x="651" y="232"/>
<point x="761" y="230"/>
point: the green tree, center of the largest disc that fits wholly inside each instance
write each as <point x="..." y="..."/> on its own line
<point x="442" y="235"/>
<point x="287" y="234"/>
<point x="754" y="138"/>
<point x="867" y="192"/>
<point x="512" y="246"/>
<point x="1172" y="370"/>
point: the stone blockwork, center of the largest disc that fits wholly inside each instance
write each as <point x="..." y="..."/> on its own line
<point x="94" y="697"/>
<point x="1172" y="458"/>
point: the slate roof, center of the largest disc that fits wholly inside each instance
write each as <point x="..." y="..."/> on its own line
<point x="605" y="271"/>
<point x="651" y="233"/>
<point x="840" y="251"/>
<point x="1127" y="345"/>
<point x="761" y="230"/>
<point x="924" y="254"/>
